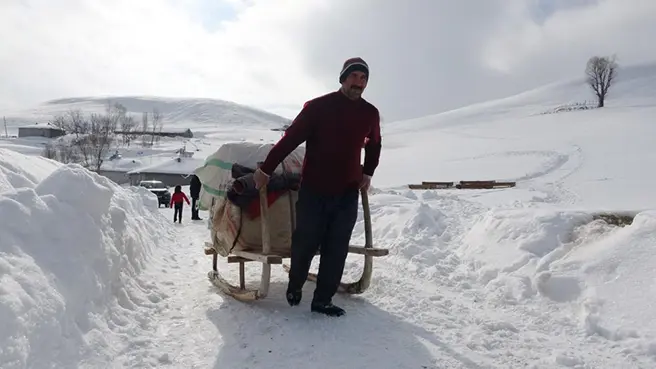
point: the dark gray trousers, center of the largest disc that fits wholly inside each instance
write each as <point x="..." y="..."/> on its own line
<point x="323" y="222"/>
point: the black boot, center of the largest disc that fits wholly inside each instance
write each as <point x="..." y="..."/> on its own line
<point x="294" y="296"/>
<point x="327" y="309"/>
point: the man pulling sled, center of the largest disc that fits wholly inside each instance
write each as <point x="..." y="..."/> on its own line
<point x="271" y="202"/>
<point x="334" y="127"/>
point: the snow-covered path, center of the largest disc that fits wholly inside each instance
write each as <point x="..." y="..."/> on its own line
<point x="425" y="309"/>
<point x="182" y="334"/>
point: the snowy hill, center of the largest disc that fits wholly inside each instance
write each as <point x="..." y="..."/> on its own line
<point x="597" y="156"/>
<point x="525" y="277"/>
<point x="211" y="122"/>
<point x="635" y="87"/>
<point x="204" y="115"/>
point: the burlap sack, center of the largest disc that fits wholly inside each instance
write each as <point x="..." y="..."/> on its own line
<point x="226" y="218"/>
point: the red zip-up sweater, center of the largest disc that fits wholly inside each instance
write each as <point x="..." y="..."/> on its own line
<point x="178" y="197"/>
<point x="335" y="129"/>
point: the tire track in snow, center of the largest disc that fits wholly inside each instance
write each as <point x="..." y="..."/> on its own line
<point x="548" y="177"/>
<point x="551" y="180"/>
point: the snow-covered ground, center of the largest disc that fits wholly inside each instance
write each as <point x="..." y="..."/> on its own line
<point x="94" y="275"/>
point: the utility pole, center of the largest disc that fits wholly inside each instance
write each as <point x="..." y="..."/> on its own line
<point x="5" y="120"/>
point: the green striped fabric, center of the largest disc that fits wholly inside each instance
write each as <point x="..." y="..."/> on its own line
<point x="218" y="163"/>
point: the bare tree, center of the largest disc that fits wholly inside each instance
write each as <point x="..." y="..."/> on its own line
<point x="61" y="151"/>
<point x="66" y="153"/>
<point x="102" y="132"/>
<point x="128" y="127"/>
<point x="144" y="129"/>
<point x="73" y="122"/>
<point x="157" y="121"/>
<point x="49" y="151"/>
<point x="92" y="137"/>
<point x="600" y="75"/>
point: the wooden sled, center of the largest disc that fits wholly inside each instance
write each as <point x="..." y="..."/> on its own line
<point x="267" y="259"/>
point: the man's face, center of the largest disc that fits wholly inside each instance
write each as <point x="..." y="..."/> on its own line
<point x="354" y="84"/>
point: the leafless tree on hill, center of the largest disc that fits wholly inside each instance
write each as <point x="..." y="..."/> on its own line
<point x="92" y="136"/>
<point x="144" y="129"/>
<point x="157" y="126"/>
<point x="61" y="152"/>
<point x="128" y="127"/>
<point x="600" y="75"/>
<point x="72" y="122"/>
<point x="102" y="132"/>
<point x="49" y="151"/>
<point x="127" y="124"/>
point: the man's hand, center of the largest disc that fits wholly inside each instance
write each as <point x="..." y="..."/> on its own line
<point x="365" y="182"/>
<point x="260" y="178"/>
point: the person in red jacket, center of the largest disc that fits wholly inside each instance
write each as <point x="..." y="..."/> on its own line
<point x="177" y="198"/>
<point x="335" y="127"/>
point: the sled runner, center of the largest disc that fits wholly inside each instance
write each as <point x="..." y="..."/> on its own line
<point x="259" y="229"/>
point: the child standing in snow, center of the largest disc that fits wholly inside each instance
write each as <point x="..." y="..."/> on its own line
<point x="177" y="199"/>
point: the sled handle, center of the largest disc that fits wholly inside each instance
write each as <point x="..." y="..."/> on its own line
<point x="264" y="216"/>
<point x="368" y="236"/>
<point x="266" y="242"/>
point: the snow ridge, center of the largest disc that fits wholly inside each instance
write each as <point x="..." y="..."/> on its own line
<point x="72" y="249"/>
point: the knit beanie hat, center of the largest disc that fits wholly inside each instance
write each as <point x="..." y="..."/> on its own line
<point x="352" y="65"/>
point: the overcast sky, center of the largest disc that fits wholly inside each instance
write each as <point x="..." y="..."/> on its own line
<point x="425" y="56"/>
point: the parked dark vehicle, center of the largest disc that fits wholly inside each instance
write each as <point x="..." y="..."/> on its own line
<point x="160" y="190"/>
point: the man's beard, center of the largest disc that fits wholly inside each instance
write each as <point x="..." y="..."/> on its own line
<point x="354" y="92"/>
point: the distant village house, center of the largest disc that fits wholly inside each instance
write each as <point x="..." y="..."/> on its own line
<point x="171" y="172"/>
<point x="40" y="130"/>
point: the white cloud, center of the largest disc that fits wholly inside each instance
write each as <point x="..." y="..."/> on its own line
<point x="569" y="37"/>
<point x="425" y="55"/>
<point x="76" y="47"/>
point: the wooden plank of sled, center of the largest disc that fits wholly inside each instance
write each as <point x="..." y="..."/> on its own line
<point x="232" y="259"/>
<point x="245" y="256"/>
<point x="253" y="256"/>
<point x="367" y="251"/>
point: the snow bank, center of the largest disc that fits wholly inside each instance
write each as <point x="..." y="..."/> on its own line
<point x="418" y="228"/>
<point x="616" y="272"/>
<point x="73" y="245"/>
<point x="604" y="272"/>
<point x="587" y="276"/>
<point x="18" y="170"/>
<point x="511" y="239"/>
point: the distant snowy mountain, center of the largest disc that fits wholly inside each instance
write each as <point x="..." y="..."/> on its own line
<point x="198" y="114"/>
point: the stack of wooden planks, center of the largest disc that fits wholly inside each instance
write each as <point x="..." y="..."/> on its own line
<point x="431" y="185"/>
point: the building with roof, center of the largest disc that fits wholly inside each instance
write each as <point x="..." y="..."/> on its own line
<point x="40" y="130"/>
<point x="172" y="172"/>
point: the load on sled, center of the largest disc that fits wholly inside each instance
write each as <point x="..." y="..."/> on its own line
<point x="250" y="225"/>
